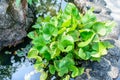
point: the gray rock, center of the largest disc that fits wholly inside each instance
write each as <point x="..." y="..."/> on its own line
<point x="99" y="8"/>
<point x="14" y="21"/>
<point x="113" y="73"/>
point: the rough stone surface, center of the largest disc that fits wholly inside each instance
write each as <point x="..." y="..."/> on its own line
<point x="109" y="66"/>
<point x="14" y="21"/>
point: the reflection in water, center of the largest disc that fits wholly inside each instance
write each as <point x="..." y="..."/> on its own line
<point x="9" y="64"/>
<point x="6" y="68"/>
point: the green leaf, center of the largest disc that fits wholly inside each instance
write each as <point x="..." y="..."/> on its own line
<point x="81" y="54"/>
<point x="62" y="30"/>
<point x="95" y="59"/>
<point x="96" y="38"/>
<point x="95" y="54"/>
<point x="100" y="28"/>
<point x="102" y="50"/>
<point x="67" y="21"/>
<point x="81" y="71"/>
<point x="48" y="29"/>
<point x="107" y="44"/>
<point x="56" y="64"/>
<point x="39" y="41"/>
<point x="88" y="17"/>
<point x="36" y="26"/>
<point x="47" y="18"/>
<point x="75" y="71"/>
<point x="43" y="75"/>
<point x="52" y="69"/>
<point x="109" y="25"/>
<point x="85" y="34"/>
<point x="71" y="9"/>
<point x="43" y="49"/>
<point x="67" y="78"/>
<point x="88" y="55"/>
<point x="39" y="20"/>
<point x="67" y="61"/>
<point x="39" y="65"/>
<point x="75" y="34"/>
<point x="66" y="43"/>
<point x="62" y="71"/>
<point x="73" y="24"/>
<point x="88" y="38"/>
<point x="47" y="55"/>
<point x="55" y="53"/>
<point x="54" y="21"/>
<point x="32" y="34"/>
<point x="91" y="16"/>
<point x="33" y="53"/>
<point x="84" y="19"/>
<point x="95" y="46"/>
<point x="88" y="25"/>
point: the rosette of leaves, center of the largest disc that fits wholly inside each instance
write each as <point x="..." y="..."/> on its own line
<point x="61" y="40"/>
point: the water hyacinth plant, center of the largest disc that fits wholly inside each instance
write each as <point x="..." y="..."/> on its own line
<point x="60" y="41"/>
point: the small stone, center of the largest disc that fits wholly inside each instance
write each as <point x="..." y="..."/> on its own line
<point x="113" y="73"/>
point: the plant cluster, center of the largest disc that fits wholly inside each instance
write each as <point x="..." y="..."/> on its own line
<point x="60" y="41"/>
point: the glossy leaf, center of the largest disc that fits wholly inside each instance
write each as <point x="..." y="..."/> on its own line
<point x="67" y="78"/>
<point x="100" y="28"/>
<point x="81" y="70"/>
<point x="71" y="9"/>
<point x="102" y="50"/>
<point x="75" y="71"/>
<point x="52" y="69"/>
<point x="48" y="29"/>
<point x="55" y="53"/>
<point x="43" y="75"/>
<point x="107" y="44"/>
<point x="32" y="35"/>
<point x="81" y="54"/>
<point x="88" y="37"/>
<point x="66" y="43"/>
<point x="62" y="71"/>
<point x="66" y="22"/>
<point x="37" y="26"/>
<point x="33" y="53"/>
